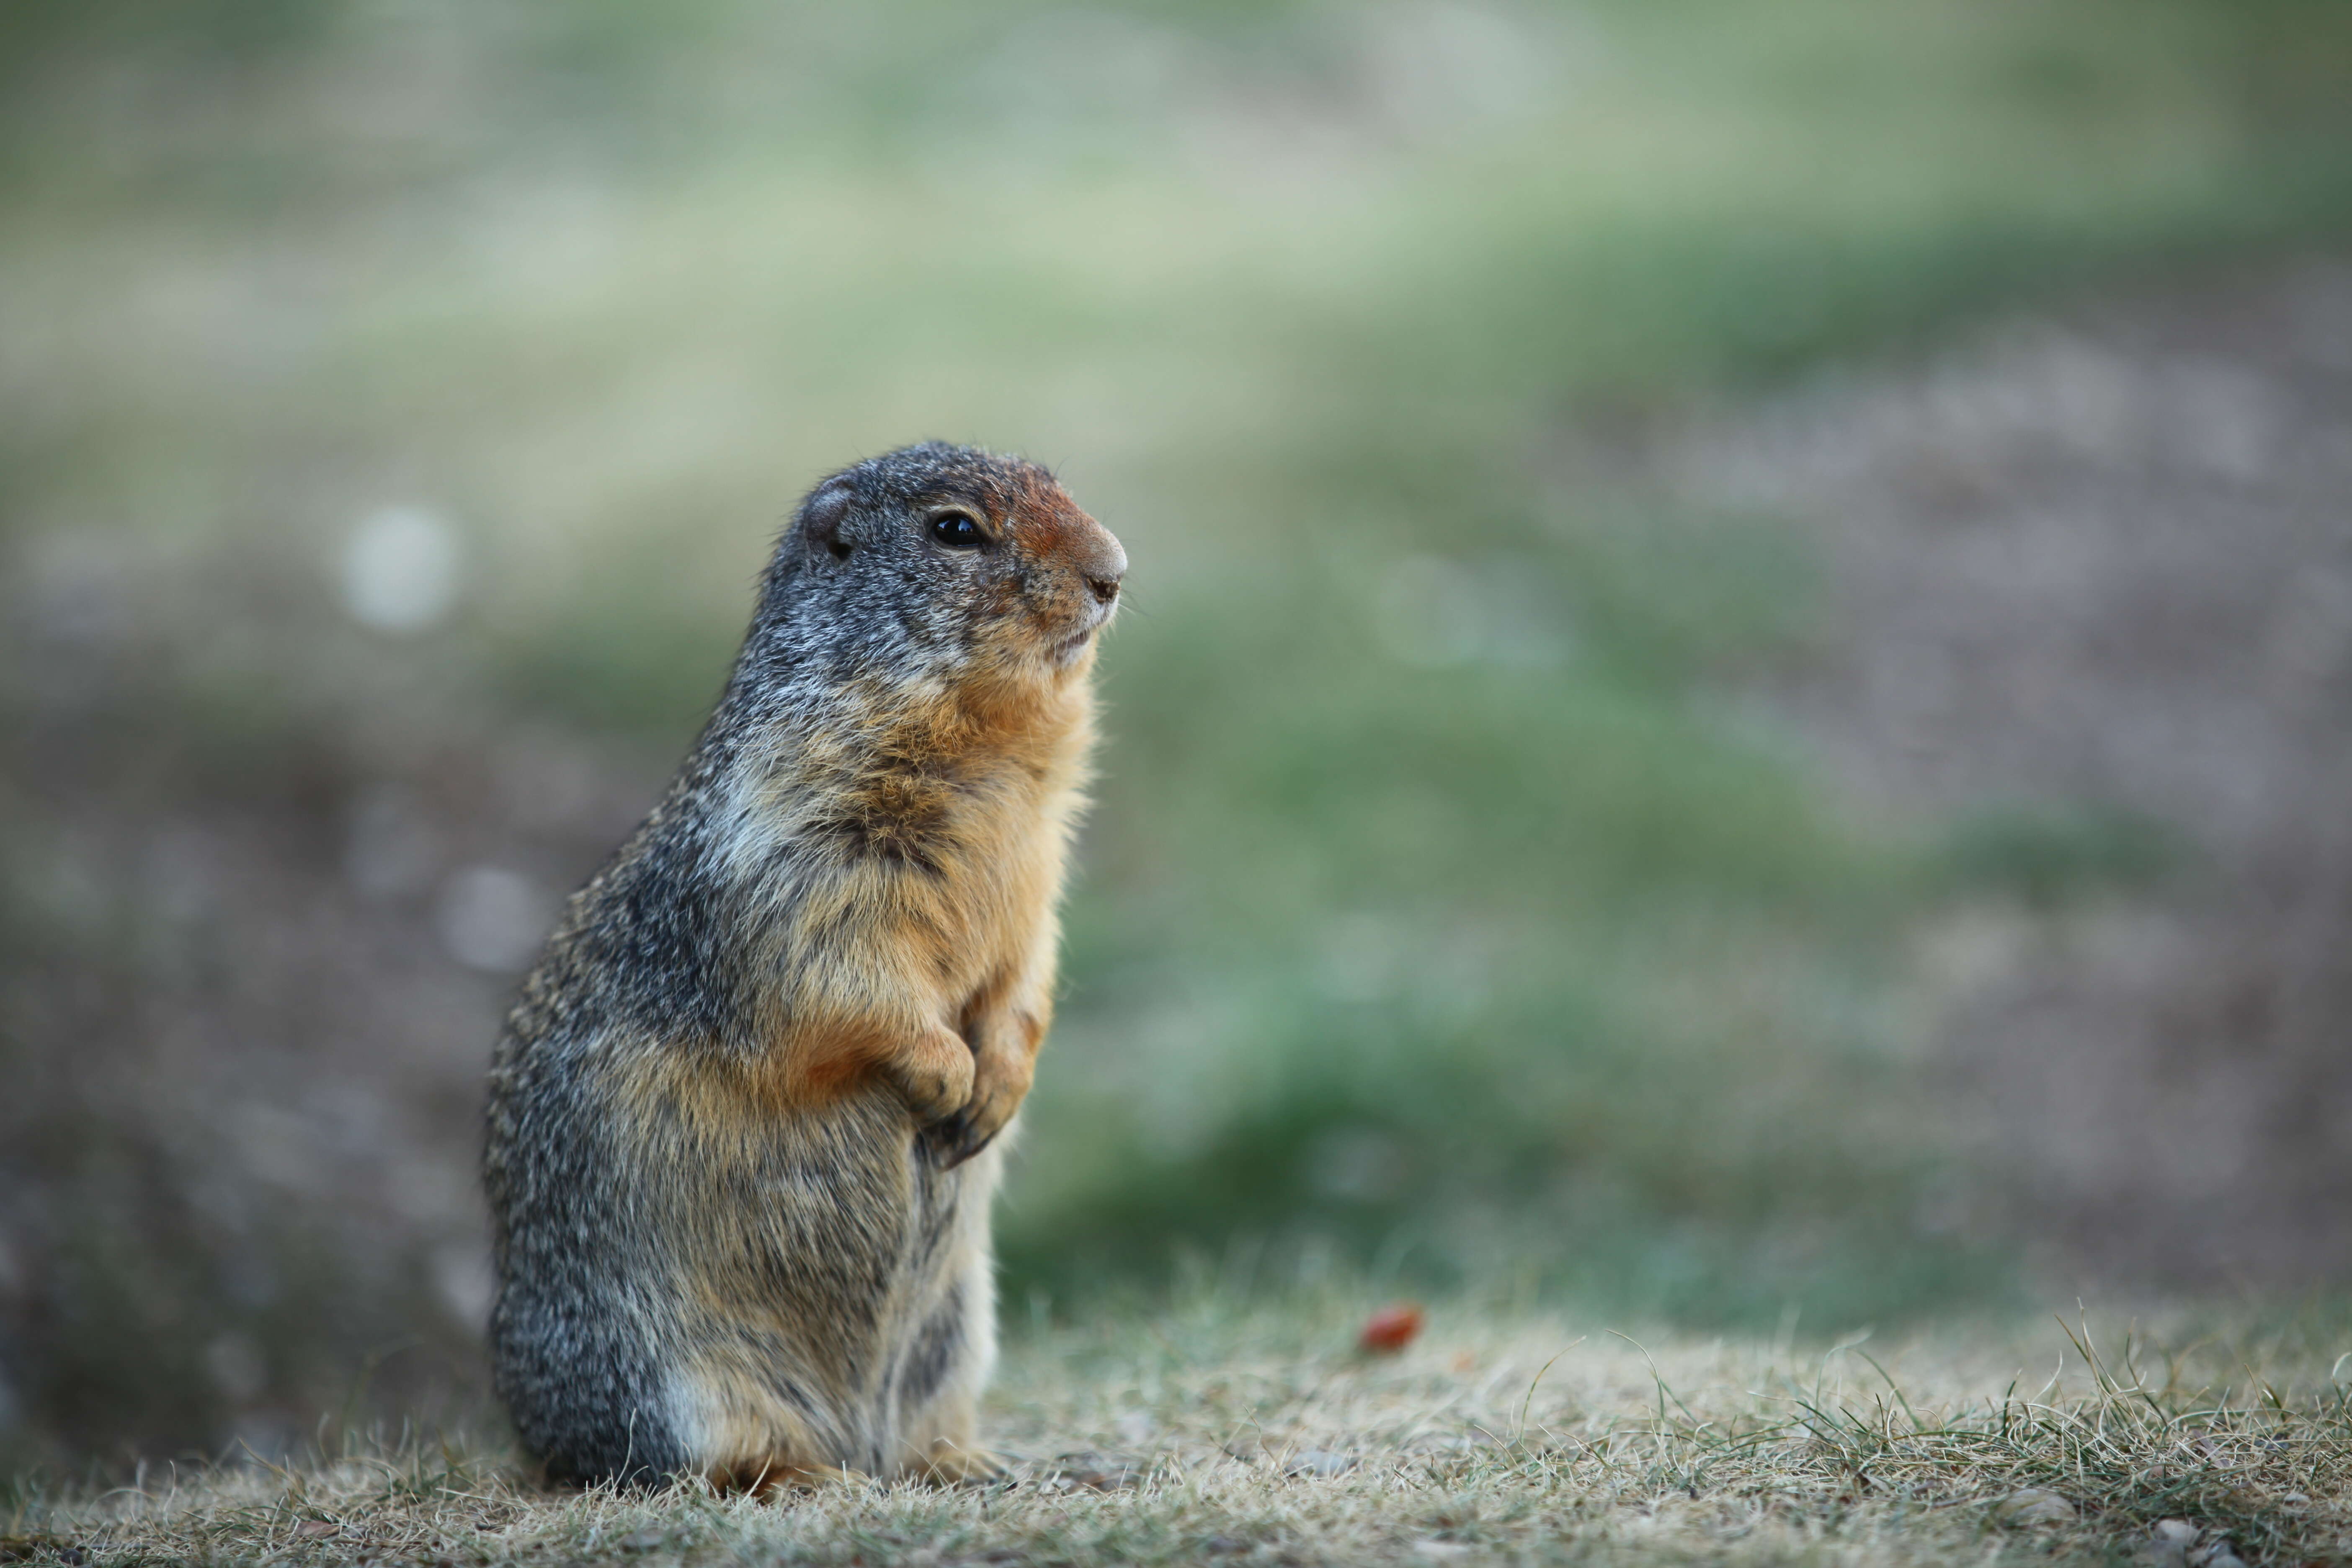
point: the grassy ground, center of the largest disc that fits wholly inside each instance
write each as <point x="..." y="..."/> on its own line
<point x="1208" y="1431"/>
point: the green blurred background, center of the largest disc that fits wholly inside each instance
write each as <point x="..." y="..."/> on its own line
<point x="402" y="395"/>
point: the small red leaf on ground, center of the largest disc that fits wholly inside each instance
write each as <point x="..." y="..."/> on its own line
<point x="1391" y="1329"/>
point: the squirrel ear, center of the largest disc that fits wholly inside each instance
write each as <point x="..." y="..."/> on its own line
<point x="821" y="518"/>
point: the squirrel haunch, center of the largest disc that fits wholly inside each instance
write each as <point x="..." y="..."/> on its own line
<point x="746" y="1118"/>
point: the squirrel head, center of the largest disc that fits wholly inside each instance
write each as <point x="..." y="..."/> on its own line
<point x="945" y="563"/>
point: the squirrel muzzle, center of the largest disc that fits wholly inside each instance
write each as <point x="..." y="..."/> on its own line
<point x="1074" y="567"/>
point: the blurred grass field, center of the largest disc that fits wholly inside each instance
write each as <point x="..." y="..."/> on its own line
<point x="1437" y="907"/>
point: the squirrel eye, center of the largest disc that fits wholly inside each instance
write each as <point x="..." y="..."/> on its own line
<point x="956" y="530"/>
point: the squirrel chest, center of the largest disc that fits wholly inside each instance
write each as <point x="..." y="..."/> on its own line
<point x="937" y="843"/>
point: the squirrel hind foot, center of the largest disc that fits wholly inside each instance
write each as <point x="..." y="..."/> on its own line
<point x="771" y="1480"/>
<point x="952" y="1465"/>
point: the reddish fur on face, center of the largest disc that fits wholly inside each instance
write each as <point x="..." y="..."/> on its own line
<point x="1053" y="524"/>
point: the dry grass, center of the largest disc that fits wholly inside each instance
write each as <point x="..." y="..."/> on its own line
<point x="1240" y="1435"/>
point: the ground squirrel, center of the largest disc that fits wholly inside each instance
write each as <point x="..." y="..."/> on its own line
<point x="744" y="1120"/>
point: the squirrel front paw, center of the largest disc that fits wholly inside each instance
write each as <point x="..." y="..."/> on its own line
<point x="997" y="1092"/>
<point x="956" y="1140"/>
<point x="934" y="1076"/>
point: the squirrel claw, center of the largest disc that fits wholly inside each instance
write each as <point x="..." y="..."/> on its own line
<point x="952" y="1142"/>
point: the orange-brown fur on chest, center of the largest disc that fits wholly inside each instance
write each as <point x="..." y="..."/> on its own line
<point x="943" y="821"/>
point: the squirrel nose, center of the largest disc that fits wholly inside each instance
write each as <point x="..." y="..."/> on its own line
<point x="1103" y="573"/>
